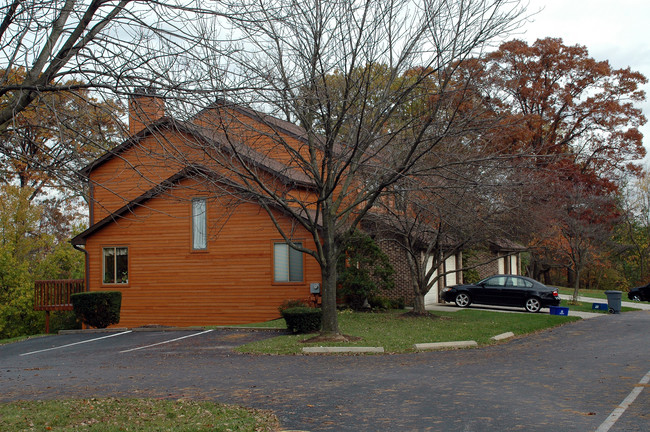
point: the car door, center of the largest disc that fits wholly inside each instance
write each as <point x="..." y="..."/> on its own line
<point x="645" y="293"/>
<point x="492" y="290"/>
<point x="515" y="291"/>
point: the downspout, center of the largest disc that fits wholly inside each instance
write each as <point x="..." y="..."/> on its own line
<point x="86" y="265"/>
<point x="91" y="220"/>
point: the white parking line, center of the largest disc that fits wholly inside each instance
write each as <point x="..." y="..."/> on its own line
<point x="166" y="342"/>
<point x="76" y="343"/>
<point x="618" y="412"/>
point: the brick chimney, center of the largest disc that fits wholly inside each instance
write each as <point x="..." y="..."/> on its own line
<point x="145" y="107"/>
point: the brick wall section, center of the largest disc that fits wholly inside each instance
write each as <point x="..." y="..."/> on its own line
<point x="403" y="281"/>
<point x="491" y="266"/>
<point x="483" y="255"/>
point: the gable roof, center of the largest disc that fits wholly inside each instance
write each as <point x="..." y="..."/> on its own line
<point x="164" y="186"/>
<point x="80" y="239"/>
<point x="213" y="138"/>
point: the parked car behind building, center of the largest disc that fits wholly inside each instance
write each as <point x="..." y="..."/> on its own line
<point x="641" y="293"/>
<point x="504" y="290"/>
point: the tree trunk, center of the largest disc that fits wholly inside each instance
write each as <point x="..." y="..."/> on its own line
<point x="547" y="276"/>
<point x="418" y="302"/>
<point x="570" y="277"/>
<point x="330" y="323"/>
<point x="576" y="286"/>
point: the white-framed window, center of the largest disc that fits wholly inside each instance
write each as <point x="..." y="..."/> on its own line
<point x="199" y="224"/>
<point x="116" y="265"/>
<point x="287" y="263"/>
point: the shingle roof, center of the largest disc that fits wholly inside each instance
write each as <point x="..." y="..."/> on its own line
<point x="216" y="140"/>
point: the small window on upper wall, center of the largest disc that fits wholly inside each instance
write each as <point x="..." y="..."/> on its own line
<point x="199" y="224"/>
<point x="116" y="265"/>
<point x="287" y="263"/>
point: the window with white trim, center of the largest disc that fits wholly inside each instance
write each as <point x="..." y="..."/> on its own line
<point x="287" y="263"/>
<point x="199" y="224"/>
<point x="116" y="265"/>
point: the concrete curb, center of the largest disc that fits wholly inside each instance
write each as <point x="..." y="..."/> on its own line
<point x="444" y="345"/>
<point x="324" y="350"/>
<point x="506" y="335"/>
<point x="166" y="329"/>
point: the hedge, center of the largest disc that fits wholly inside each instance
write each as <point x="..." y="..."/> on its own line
<point x="98" y="308"/>
<point x="302" y="319"/>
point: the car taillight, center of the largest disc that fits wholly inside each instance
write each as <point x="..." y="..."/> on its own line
<point x="555" y="294"/>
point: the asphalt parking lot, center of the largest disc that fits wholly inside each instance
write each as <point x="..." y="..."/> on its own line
<point x="572" y="378"/>
<point x="122" y="342"/>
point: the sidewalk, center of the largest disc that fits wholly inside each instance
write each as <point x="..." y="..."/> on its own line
<point x="635" y="305"/>
<point x="450" y="307"/>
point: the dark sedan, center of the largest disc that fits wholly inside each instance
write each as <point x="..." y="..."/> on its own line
<point x="504" y="290"/>
<point x="641" y="293"/>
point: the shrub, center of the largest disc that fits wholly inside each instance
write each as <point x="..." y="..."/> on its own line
<point x="363" y="271"/>
<point x="302" y="319"/>
<point x="64" y="320"/>
<point x="97" y="309"/>
<point x="291" y="303"/>
<point x="471" y="276"/>
<point x="380" y="303"/>
<point x="400" y="303"/>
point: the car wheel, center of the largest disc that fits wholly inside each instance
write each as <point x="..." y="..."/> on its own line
<point x="533" y="304"/>
<point x="462" y="300"/>
<point x="636" y="298"/>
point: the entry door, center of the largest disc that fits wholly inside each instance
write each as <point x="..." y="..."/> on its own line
<point x="432" y="296"/>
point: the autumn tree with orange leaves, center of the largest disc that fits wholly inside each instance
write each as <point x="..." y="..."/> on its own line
<point x="58" y="133"/>
<point x="575" y="122"/>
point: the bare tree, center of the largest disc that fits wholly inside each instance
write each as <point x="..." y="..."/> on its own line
<point x="337" y="69"/>
<point x="635" y="226"/>
<point x="458" y="201"/>
<point x="68" y="58"/>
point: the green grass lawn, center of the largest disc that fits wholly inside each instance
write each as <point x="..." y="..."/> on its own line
<point x="588" y="293"/>
<point x="587" y="307"/>
<point x="398" y="334"/>
<point x="108" y="415"/>
<point x="20" y="338"/>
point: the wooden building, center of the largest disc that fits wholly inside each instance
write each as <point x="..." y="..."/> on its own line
<point x="177" y="235"/>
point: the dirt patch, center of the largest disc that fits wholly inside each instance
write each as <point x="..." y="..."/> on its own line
<point x="332" y="338"/>
<point x="411" y="314"/>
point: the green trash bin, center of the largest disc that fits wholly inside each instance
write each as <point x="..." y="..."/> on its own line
<point x="614" y="301"/>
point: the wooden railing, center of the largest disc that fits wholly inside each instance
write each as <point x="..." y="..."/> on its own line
<point x="54" y="295"/>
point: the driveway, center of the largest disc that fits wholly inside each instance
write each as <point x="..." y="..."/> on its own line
<point x="451" y="307"/>
<point x="570" y="378"/>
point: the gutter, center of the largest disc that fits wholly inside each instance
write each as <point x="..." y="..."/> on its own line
<point x="86" y="265"/>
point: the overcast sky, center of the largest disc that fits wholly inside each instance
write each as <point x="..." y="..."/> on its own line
<point x="614" y="30"/>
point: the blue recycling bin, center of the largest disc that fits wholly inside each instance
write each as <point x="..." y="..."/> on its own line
<point x="559" y="310"/>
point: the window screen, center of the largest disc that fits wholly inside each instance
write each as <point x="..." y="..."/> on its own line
<point x="287" y="263"/>
<point x="116" y="265"/>
<point x="199" y="224"/>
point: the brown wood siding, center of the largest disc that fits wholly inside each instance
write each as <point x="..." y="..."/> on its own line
<point x="129" y="175"/>
<point x="153" y="160"/>
<point x="229" y="283"/>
